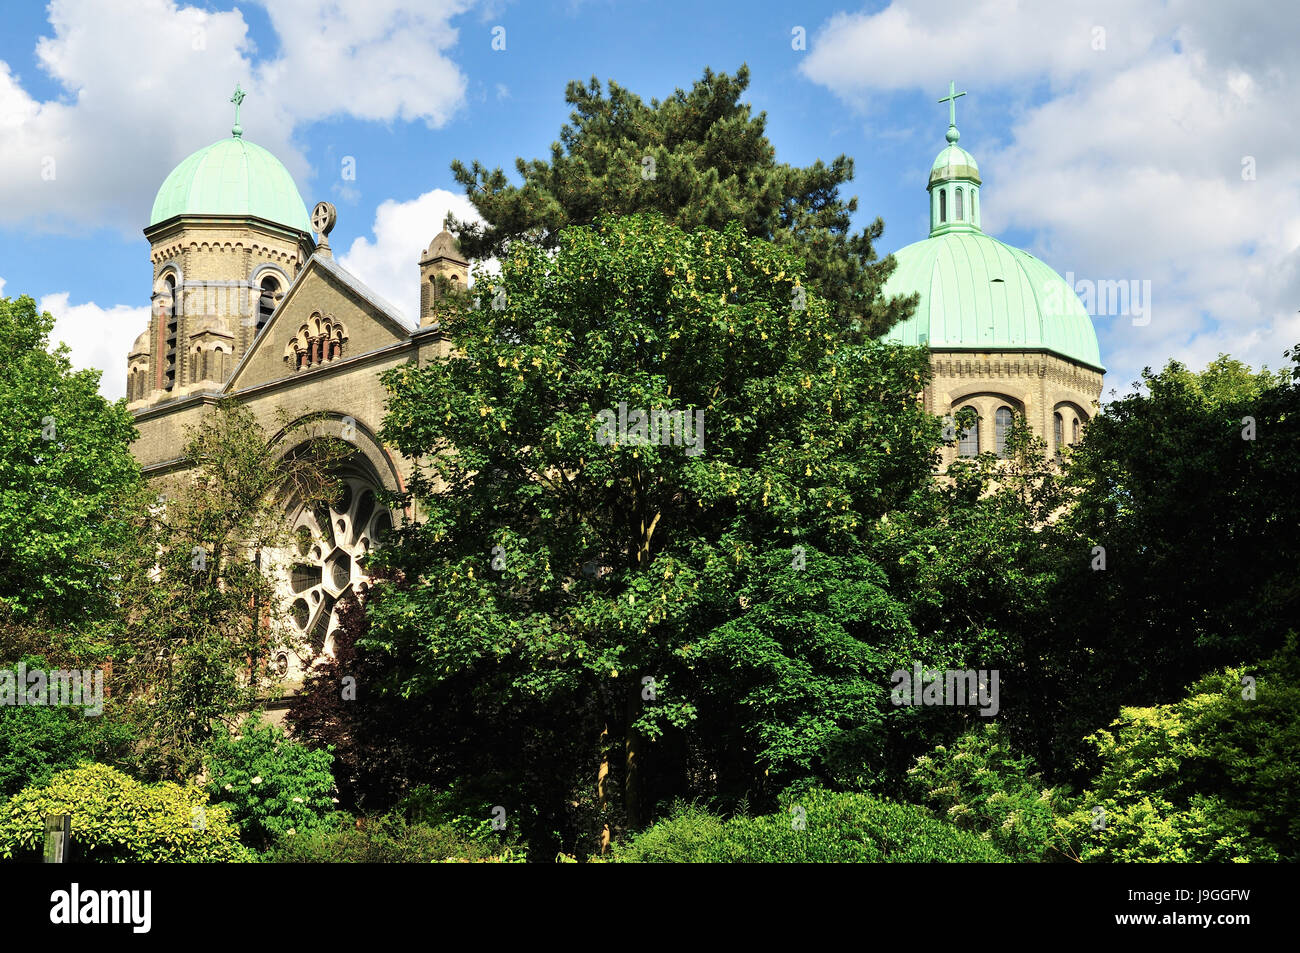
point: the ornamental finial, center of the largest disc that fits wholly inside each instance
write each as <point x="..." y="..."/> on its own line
<point x="237" y="130"/>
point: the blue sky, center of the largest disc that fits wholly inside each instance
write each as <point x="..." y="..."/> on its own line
<point x="1114" y="137"/>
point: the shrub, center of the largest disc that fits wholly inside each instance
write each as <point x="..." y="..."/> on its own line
<point x="980" y="784"/>
<point x="467" y="809"/>
<point x="1213" y="777"/>
<point x="385" y="840"/>
<point x="36" y="741"/>
<point x="836" y="828"/>
<point x="274" y="785"/>
<point x="116" y="818"/>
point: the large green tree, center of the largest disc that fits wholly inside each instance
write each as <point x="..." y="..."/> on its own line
<point x="703" y="160"/>
<point x="1177" y="554"/>
<point x="65" y="470"/>
<point x="691" y="616"/>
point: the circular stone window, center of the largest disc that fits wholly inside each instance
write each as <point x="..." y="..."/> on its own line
<point x="322" y="565"/>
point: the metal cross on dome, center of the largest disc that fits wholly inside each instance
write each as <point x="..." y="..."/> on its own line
<point x="951" y="100"/>
<point x="237" y="130"/>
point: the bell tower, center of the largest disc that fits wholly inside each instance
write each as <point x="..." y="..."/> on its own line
<point x="227" y="235"/>
<point x="442" y="259"/>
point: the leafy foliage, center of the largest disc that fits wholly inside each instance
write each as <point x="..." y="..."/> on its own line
<point x="37" y="741"/>
<point x="702" y="160"/>
<point x="274" y="785"/>
<point x="1213" y="777"/>
<point x="981" y="784"/>
<point x="837" y="828"/>
<point x="1197" y="524"/>
<point x="66" y="472"/>
<point x="199" y="613"/>
<point x="625" y="563"/>
<point x="115" y="818"/>
<point x="385" y="840"/>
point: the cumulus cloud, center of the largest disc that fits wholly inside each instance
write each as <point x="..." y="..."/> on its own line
<point x="922" y="43"/>
<point x="389" y="263"/>
<point x="96" y="337"/>
<point x="1161" y="154"/>
<point x="145" y="82"/>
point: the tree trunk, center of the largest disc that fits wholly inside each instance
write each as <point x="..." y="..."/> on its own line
<point x="602" y="792"/>
<point x="631" y="754"/>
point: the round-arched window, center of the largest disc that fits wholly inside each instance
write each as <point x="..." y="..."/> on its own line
<point x="1002" y="421"/>
<point x="968" y="444"/>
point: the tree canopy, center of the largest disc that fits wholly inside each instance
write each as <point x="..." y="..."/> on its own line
<point x="66" y="469"/>
<point x="703" y="160"/>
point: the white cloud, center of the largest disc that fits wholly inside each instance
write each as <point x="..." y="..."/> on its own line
<point x="371" y="59"/>
<point x="1131" y="168"/>
<point x="924" y="43"/>
<point x="146" y="82"/>
<point x="97" y="337"/>
<point x="402" y="231"/>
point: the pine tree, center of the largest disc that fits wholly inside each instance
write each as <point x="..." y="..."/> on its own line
<point x="700" y="158"/>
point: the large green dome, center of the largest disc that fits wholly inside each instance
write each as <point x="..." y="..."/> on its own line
<point x="231" y="177"/>
<point x="977" y="293"/>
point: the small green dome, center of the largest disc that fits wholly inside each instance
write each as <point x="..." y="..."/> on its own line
<point x="980" y="294"/>
<point x="232" y="177"/>
<point x="954" y="162"/>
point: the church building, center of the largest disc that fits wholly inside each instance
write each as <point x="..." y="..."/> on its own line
<point x="248" y="302"/>
<point x="1007" y="335"/>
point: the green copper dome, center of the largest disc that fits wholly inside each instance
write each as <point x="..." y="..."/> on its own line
<point x="954" y="162"/>
<point x="977" y="293"/>
<point x="980" y="294"/>
<point x="231" y="177"/>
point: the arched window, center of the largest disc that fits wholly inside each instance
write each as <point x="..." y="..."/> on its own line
<point x="1002" y="421"/>
<point x="957" y="209"/>
<point x="1076" y="431"/>
<point x="943" y="205"/>
<point x="968" y="444"/>
<point x="204" y="368"/>
<point x="266" y="303"/>
<point x="168" y="317"/>
<point x="221" y="364"/>
<point x="1058" y="433"/>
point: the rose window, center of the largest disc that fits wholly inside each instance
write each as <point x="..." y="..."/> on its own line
<point x="323" y="564"/>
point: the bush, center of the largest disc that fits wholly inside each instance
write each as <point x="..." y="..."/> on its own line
<point x="467" y="809"/>
<point x="385" y="840"/>
<point x="116" y="818"/>
<point x="837" y="828"/>
<point x="274" y="786"/>
<point x="980" y="784"/>
<point x="1213" y="777"/>
<point x="36" y="741"/>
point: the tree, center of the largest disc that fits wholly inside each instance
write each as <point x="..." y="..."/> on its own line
<point x="66" y="469"/>
<point x="608" y="589"/>
<point x="1189" y="488"/>
<point x="199" y="610"/>
<point x="701" y="159"/>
